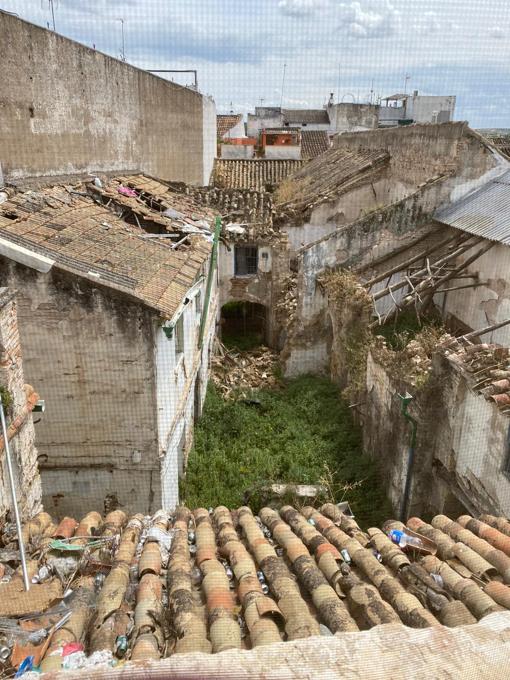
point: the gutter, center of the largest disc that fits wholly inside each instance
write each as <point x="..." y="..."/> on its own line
<point x="406" y="400"/>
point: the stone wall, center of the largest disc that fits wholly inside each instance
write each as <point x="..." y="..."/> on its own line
<point x="66" y="108"/>
<point x="90" y="354"/>
<point x="379" y="233"/>
<point x="420" y="152"/>
<point x="348" y="117"/>
<point x="462" y="441"/>
<point x="18" y="413"/>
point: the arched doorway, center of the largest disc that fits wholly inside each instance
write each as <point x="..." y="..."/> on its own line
<point x="243" y="324"/>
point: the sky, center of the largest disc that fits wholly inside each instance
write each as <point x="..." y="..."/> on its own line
<point x="357" y="50"/>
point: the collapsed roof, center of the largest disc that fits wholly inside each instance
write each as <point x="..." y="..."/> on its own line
<point x="328" y="176"/>
<point x="211" y="581"/>
<point x="65" y="228"/>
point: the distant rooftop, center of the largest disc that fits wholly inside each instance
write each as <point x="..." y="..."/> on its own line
<point x="305" y="116"/>
<point x="225" y="122"/>
<point x="257" y="174"/>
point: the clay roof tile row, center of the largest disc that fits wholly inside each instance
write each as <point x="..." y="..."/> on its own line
<point x="214" y="580"/>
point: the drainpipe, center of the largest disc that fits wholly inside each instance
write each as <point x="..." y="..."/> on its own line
<point x="210" y="276"/>
<point x="406" y="400"/>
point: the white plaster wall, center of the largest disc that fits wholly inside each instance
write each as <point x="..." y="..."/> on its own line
<point x="283" y="151"/>
<point x="255" y="123"/>
<point x="422" y="108"/>
<point x="176" y="380"/>
<point x="244" y="151"/>
<point x="235" y="132"/>
<point x="485" y="305"/>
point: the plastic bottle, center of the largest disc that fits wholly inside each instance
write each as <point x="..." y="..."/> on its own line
<point x="402" y="539"/>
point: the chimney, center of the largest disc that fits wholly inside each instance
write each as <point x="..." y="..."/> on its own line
<point x="415" y="93"/>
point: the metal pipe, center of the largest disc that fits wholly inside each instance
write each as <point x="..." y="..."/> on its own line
<point x="406" y="400"/>
<point x="212" y="267"/>
<point x="26" y="580"/>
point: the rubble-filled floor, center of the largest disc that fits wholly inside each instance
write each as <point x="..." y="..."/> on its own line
<point x="295" y="432"/>
<point x="117" y="589"/>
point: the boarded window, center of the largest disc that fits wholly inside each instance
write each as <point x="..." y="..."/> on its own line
<point x="179" y="337"/>
<point x="245" y="260"/>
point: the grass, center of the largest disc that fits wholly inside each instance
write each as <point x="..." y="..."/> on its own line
<point x="300" y="434"/>
<point x="244" y="342"/>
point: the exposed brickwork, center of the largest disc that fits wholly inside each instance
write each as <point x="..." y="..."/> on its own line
<point x="21" y="432"/>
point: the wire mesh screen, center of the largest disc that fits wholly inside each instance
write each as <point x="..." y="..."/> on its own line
<point x="254" y="338"/>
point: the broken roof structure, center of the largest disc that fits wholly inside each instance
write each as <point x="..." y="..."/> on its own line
<point x="258" y="174"/>
<point x="328" y="176"/>
<point x="213" y="581"/>
<point x="65" y="228"/>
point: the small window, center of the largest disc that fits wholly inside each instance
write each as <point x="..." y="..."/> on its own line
<point x="245" y="260"/>
<point x="179" y="337"/>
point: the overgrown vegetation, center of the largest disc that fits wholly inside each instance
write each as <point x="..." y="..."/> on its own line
<point x="6" y="398"/>
<point x="399" y="332"/>
<point x="303" y="434"/>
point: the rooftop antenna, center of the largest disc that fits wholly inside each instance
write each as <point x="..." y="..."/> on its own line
<point x="338" y="84"/>
<point x="123" y="51"/>
<point x="372" y="92"/>
<point x="406" y="79"/>
<point x="283" y="83"/>
<point x="50" y="3"/>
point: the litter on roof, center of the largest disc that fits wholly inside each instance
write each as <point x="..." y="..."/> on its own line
<point x="115" y="589"/>
<point x="64" y="227"/>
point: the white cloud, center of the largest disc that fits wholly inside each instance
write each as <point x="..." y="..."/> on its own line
<point x="301" y="7"/>
<point x="369" y="21"/>
<point x="497" y="33"/>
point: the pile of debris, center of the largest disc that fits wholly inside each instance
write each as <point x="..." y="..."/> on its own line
<point x="413" y="363"/>
<point x="489" y="367"/>
<point x="287" y="304"/>
<point x="236" y="374"/>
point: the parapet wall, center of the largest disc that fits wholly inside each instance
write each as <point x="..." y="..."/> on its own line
<point x="66" y="109"/>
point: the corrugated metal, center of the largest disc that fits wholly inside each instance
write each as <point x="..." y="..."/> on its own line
<point x="485" y="212"/>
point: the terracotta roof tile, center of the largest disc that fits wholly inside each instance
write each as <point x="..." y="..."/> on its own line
<point x="229" y="578"/>
<point x="225" y="122"/>
<point x="88" y="239"/>
<point x="313" y="143"/>
<point x="258" y="174"/>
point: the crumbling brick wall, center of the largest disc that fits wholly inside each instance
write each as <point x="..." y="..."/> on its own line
<point x="18" y="416"/>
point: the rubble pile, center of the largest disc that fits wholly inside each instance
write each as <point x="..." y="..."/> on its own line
<point x="112" y="590"/>
<point x="413" y="363"/>
<point x="489" y="369"/>
<point x="236" y="374"/>
<point x="287" y="303"/>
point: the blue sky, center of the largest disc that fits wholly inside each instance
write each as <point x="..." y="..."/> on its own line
<point x="239" y="47"/>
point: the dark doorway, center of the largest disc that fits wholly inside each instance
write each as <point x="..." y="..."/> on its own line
<point x="243" y="324"/>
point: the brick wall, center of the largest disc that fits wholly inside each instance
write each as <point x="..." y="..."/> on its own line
<point x="23" y="451"/>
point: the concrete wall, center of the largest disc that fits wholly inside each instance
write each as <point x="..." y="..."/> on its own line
<point x="426" y="109"/>
<point x="461" y="442"/>
<point x="90" y="354"/>
<point x="245" y="151"/>
<point x="420" y="152"/>
<point x="256" y="123"/>
<point x="65" y="108"/>
<point x="283" y="151"/>
<point x="22" y="446"/>
<point x="348" y="117"/>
